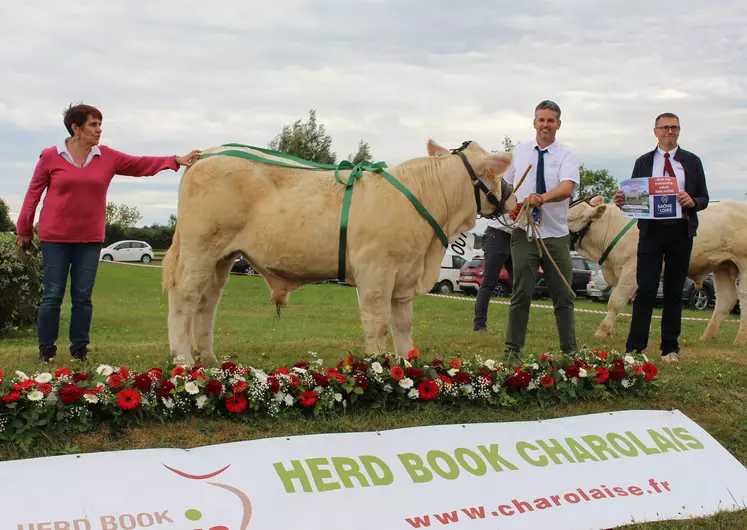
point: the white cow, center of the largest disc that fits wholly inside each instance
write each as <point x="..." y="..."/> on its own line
<point x="720" y="248"/>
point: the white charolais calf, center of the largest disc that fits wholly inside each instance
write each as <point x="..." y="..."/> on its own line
<point x="720" y="248"/>
<point x="286" y="221"/>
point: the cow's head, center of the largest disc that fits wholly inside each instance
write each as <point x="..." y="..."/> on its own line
<point x="580" y="216"/>
<point x="493" y="195"/>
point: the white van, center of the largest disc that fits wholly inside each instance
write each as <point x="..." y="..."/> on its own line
<point x="457" y="254"/>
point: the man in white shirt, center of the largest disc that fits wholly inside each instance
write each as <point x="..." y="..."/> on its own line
<point x="496" y="243"/>
<point x="548" y="187"/>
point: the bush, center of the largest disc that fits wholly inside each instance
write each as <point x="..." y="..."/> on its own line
<point x="20" y="285"/>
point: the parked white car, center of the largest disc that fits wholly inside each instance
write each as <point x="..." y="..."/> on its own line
<point x="447" y="281"/>
<point x="127" y="251"/>
<point x="598" y="287"/>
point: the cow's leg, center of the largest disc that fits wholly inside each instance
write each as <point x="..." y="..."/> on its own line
<point x="375" y="304"/>
<point x="184" y="301"/>
<point x="742" y="293"/>
<point x="204" y="319"/>
<point x="401" y="326"/>
<point x="726" y="297"/>
<point x="621" y="295"/>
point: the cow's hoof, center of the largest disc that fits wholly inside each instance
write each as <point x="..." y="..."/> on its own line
<point x="602" y="334"/>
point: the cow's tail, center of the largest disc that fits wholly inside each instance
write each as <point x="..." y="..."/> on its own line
<point x="170" y="269"/>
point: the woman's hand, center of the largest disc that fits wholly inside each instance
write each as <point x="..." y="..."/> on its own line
<point x="22" y="240"/>
<point x="188" y="159"/>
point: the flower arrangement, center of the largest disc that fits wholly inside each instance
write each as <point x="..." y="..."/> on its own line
<point x="70" y="402"/>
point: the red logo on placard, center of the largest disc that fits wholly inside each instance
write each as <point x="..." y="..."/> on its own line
<point x="663" y="186"/>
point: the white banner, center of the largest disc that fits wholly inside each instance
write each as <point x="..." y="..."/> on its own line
<point x="592" y="472"/>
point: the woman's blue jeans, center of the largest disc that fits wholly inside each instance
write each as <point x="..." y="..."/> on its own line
<point x="80" y="261"/>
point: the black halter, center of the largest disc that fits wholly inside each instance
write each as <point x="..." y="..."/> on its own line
<point x="480" y="186"/>
<point x="577" y="237"/>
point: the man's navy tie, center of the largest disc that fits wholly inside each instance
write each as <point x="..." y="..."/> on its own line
<point x="541" y="188"/>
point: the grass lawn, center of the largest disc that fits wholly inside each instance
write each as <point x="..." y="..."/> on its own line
<point x="129" y="328"/>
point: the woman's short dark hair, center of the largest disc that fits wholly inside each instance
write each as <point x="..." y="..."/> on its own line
<point x="78" y="115"/>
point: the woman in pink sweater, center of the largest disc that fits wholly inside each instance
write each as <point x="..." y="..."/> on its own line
<point x="76" y="175"/>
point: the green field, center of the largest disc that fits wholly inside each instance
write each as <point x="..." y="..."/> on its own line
<point x="129" y="328"/>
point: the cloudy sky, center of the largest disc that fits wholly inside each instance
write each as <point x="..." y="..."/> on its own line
<point x="173" y="76"/>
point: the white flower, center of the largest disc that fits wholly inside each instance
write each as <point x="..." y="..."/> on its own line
<point x="629" y="359"/>
<point x="644" y="357"/>
<point x="168" y="402"/>
<point x="46" y="377"/>
<point x="200" y="401"/>
<point x="496" y="388"/>
<point x="413" y="393"/>
<point x="35" y="395"/>
<point x="388" y="387"/>
<point x="279" y="396"/>
<point x="338" y="397"/>
<point x="91" y="398"/>
<point x="490" y="364"/>
<point x="289" y="400"/>
<point x="299" y="370"/>
<point x="105" y="370"/>
<point x="406" y="383"/>
<point x="627" y="383"/>
<point x="452" y="372"/>
<point x="21" y="376"/>
<point x="174" y="381"/>
<point x="192" y="388"/>
<point x="536" y="366"/>
<point x="407" y="363"/>
<point x="260" y="375"/>
<point x="532" y="385"/>
<point x="377" y="368"/>
<point x="468" y="389"/>
<point x="582" y="372"/>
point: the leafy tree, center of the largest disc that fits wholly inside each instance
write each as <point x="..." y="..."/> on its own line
<point x="363" y="154"/>
<point x="122" y="215"/>
<point x="598" y="182"/>
<point x="305" y="140"/>
<point x="6" y="225"/>
<point x="172" y="221"/>
<point x="508" y="144"/>
<point x="111" y="213"/>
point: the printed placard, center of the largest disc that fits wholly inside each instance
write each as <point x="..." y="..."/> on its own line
<point x="651" y="198"/>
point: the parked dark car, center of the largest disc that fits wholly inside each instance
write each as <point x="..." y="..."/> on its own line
<point x="241" y="266"/>
<point x="693" y="299"/>
<point x="582" y="269"/>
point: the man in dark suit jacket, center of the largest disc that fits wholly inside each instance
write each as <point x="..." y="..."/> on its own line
<point x="667" y="241"/>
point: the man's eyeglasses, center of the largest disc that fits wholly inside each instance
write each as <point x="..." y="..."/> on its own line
<point x="668" y="128"/>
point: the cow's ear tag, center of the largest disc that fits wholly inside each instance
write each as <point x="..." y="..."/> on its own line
<point x="491" y="175"/>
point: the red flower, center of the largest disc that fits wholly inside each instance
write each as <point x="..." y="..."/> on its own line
<point x="455" y="363"/>
<point x="13" y="396"/>
<point x="601" y="355"/>
<point x="155" y="373"/>
<point x="237" y="403"/>
<point x="573" y="370"/>
<point x="295" y="381"/>
<point x="115" y="381"/>
<point x="60" y="372"/>
<point x="282" y="370"/>
<point x="437" y="362"/>
<point x="124" y="372"/>
<point x="523" y="379"/>
<point x="274" y="383"/>
<point x="414" y="373"/>
<point x="427" y="389"/>
<point x="638" y="370"/>
<point x="544" y="357"/>
<point x="361" y="381"/>
<point x="396" y="373"/>
<point x="2" y="376"/>
<point x="143" y="382"/>
<point x="199" y="367"/>
<point x="228" y="367"/>
<point x="547" y="381"/>
<point x="213" y="388"/>
<point x="164" y="390"/>
<point x="331" y="372"/>
<point x="462" y="378"/>
<point x="386" y="363"/>
<point x="44" y="388"/>
<point x="69" y="393"/>
<point x="445" y="380"/>
<point x="360" y="367"/>
<point x="196" y="375"/>
<point x="650" y="370"/>
<point x="308" y="398"/>
<point x="301" y="364"/>
<point x="239" y="387"/>
<point x="178" y="370"/>
<point x="602" y="374"/>
<point x="128" y="399"/>
<point x="617" y="373"/>
<point x="24" y="385"/>
<point x="81" y="376"/>
<point x="320" y="379"/>
<point x="413" y="355"/>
